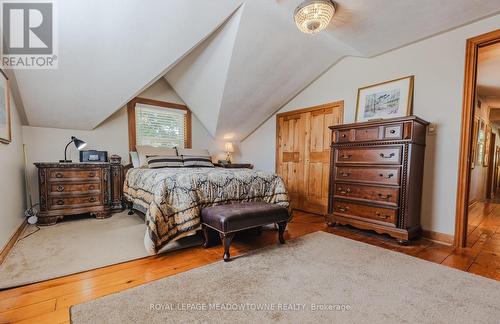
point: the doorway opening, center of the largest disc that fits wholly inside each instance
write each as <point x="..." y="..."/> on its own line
<point x="478" y="196"/>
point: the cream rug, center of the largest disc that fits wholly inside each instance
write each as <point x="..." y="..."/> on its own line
<point x="317" y="278"/>
<point x="78" y="245"/>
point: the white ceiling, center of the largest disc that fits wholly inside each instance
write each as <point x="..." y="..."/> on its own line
<point x="233" y="62"/>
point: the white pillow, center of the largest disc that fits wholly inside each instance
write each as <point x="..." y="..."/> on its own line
<point x="134" y="158"/>
<point x="194" y="152"/>
<point x="145" y="150"/>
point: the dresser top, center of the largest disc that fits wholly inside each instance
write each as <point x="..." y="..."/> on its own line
<point x="382" y="122"/>
<point x="71" y="164"/>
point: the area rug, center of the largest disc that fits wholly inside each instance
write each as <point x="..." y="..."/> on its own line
<point x="316" y="278"/>
<point x="78" y="245"/>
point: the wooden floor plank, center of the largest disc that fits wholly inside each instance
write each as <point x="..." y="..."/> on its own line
<point x="26" y="312"/>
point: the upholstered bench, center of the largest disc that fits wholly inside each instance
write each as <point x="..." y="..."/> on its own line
<point x="232" y="218"/>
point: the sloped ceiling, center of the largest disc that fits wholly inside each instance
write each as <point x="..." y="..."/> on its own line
<point x="233" y="62"/>
<point x="111" y="50"/>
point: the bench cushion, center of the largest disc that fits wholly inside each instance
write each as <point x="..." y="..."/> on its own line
<point x="236" y="217"/>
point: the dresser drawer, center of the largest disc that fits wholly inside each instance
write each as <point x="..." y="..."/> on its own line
<point x="388" y="176"/>
<point x="74" y="174"/>
<point x="342" y="136"/>
<point x="74" y="202"/>
<point x="366" y="134"/>
<point x="62" y="188"/>
<point x="393" y="131"/>
<point x="380" y="214"/>
<point x="385" y="195"/>
<point x="375" y="155"/>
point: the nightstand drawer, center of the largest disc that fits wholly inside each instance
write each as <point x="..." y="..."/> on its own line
<point x="74" y="174"/>
<point x="62" y="188"/>
<point x="74" y="202"/>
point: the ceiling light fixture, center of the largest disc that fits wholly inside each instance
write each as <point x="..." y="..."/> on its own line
<point x="312" y="16"/>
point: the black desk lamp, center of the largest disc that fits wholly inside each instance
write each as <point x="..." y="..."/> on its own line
<point x="79" y="145"/>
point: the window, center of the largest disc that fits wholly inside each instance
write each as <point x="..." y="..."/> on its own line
<point x="158" y="123"/>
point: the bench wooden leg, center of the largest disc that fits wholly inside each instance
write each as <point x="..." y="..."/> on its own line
<point x="226" y="242"/>
<point x="281" y="231"/>
<point x="205" y="235"/>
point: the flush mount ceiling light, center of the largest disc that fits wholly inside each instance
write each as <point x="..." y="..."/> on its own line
<point x="312" y="16"/>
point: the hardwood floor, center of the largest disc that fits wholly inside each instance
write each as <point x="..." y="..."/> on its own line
<point x="483" y="239"/>
<point x="49" y="301"/>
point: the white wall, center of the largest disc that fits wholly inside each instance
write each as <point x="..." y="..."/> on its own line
<point x="47" y="144"/>
<point x="438" y="66"/>
<point x="12" y="192"/>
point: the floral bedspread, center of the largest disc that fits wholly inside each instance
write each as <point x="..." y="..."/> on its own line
<point x="172" y="198"/>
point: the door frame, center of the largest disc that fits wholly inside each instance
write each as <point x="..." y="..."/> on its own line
<point x="464" y="162"/>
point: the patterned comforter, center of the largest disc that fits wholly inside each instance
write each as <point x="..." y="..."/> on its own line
<point x="172" y="198"/>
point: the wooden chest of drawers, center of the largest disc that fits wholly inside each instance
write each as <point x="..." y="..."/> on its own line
<point x="376" y="173"/>
<point x="78" y="188"/>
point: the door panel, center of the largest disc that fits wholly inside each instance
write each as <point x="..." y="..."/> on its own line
<point x="290" y="156"/>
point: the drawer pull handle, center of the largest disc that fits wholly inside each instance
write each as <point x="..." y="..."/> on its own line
<point x="92" y="199"/>
<point x="346" y="156"/>
<point x="91" y="174"/>
<point x="60" y="188"/>
<point x="91" y="187"/>
<point x="385" y="216"/>
<point x="59" y="175"/>
<point x="342" y="209"/>
<point x="381" y="196"/>
<point x="343" y="135"/>
<point x="390" y="175"/>
<point x="345" y="174"/>
<point x="392" y="131"/>
<point x="60" y="202"/>
<point x="344" y="192"/>
<point x="382" y="155"/>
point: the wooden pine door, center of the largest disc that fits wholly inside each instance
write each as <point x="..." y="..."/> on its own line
<point x="303" y="154"/>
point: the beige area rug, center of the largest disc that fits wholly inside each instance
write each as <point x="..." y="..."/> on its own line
<point x="317" y="278"/>
<point x="74" y="246"/>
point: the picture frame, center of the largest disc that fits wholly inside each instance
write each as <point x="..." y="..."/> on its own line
<point x="387" y="99"/>
<point x="5" y="113"/>
<point x="474" y="142"/>
<point x="480" y="142"/>
<point x="487" y="140"/>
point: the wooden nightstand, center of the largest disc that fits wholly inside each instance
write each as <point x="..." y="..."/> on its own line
<point x="79" y="188"/>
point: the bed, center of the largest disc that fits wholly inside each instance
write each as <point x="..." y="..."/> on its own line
<point x="172" y="198"/>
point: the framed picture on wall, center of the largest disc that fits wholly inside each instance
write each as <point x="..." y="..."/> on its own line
<point x="474" y="142"/>
<point x="5" y="122"/>
<point x="385" y="100"/>
<point x="487" y="139"/>
<point x="480" y="142"/>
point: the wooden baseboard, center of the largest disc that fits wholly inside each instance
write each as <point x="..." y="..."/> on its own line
<point x="12" y="241"/>
<point x="438" y="237"/>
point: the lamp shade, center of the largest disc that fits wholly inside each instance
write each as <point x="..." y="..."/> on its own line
<point x="78" y="143"/>
<point x="229" y="147"/>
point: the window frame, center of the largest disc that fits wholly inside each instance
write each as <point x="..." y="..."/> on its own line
<point x="132" y="135"/>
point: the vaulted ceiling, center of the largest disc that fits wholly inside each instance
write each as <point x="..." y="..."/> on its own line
<point x="233" y="62"/>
